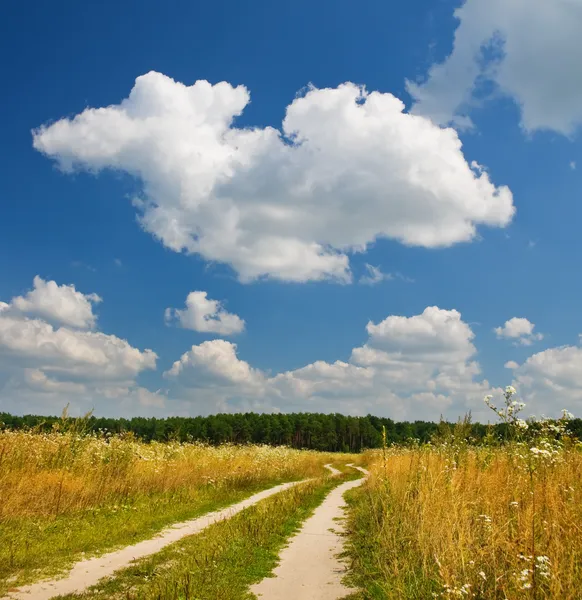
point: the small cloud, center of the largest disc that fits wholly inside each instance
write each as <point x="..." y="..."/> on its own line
<point x="205" y="315"/>
<point x="60" y="304"/>
<point x="374" y="275"/>
<point x="403" y="278"/>
<point x="520" y="330"/>
<point x="511" y="364"/>
<point x="118" y="262"/>
<point x="531" y="244"/>
<point x="573" y="165"/>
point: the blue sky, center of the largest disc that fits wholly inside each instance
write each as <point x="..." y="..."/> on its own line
<point x="278" y="230"/>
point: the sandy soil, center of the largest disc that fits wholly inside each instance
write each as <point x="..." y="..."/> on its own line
<point x="309" y="568"/>
<point x="88" y="572"/>
<point x="333" y="470"/>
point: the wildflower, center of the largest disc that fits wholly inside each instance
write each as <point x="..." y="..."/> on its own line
<point x="521" y="424"/>
<point x="543" y="566"/>
<point x="510" y="390"/>
<point x="449" y="591"/>
<point x="525" y="579"/>
<point x="482" y="575"/>
<point x="541" y="452"/>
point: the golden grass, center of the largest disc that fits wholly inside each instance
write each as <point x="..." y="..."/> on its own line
<point x="64" y="495"/>
<point x="55" y="473"/>
<point x="460" y="522"/>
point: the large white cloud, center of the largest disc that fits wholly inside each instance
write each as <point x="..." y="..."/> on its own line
<point x="551" y="380"/>
<point x="347" y="168"/>
<point x="410" y="367"/>
<point x="205" y="315"/>
<point x="520" y="330"/>
<point x="529" y="49"/>
<point x="437" y="335"/>
<point x="79" y="354"/>
<point x="43" y="365"/>
<point x="61" y="304"/>
<point x="215" y="363"/>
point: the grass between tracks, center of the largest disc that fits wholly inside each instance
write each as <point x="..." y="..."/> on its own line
<point x="224" y="560"/>
<point x="66" y="495"/>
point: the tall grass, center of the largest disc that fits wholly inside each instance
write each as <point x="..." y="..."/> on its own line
<point x="54" y="473"/>
<point x="454" y="521"/>
<point x="64" y="493"/>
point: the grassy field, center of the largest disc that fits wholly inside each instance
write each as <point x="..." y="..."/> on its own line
<point x="225" y="559"/>
<point x="66" y="495"/>
<point x="499" y="520"/>
<point x="450" y="520"/>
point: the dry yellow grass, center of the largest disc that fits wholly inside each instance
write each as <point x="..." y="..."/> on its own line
<point x="56" y="473"/>
<point x="456" y="521"/>
<point x="66" y="494"/>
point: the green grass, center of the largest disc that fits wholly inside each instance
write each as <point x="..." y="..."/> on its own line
<point x="370" y="560"/>
<point x="223" y="561"/>
<point x="35" y="548"/>
<point x="362" y="549"/>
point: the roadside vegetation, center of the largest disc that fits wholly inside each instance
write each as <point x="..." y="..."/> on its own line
<point x="68" y="493"/>
<point x="225" y="559"/>
<point x="450" y="519"/>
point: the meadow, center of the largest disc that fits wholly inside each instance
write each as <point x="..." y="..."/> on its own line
<point x="67" y="494"/>
<point x="502" y="520"/>
<point x="499" y="517"/>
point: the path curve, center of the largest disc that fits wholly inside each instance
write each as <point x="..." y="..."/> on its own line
<point x="335" y="472"/>
<point x="88" y="572"/>
<point x="309" y="567"/>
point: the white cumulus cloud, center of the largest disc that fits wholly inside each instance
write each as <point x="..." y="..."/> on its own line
<point x="551" y="380"/>
<point x="520" y="330"/>
<point x="348" y="167"/>
<point x="409" y="367"/>
<point x="205" y="315"/>
<point x="45" y="365"/>
<point x="528" y="49"/>
<point x="215" y="364"/>
<point x="64" y="351"/>
<point x="61" y="304"/>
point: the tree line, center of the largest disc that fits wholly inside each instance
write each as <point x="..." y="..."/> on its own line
<point x="316" y="431"/>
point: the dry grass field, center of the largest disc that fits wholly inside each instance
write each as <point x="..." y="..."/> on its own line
<point x="66" y="494"/>
<point x="450" y="520"/>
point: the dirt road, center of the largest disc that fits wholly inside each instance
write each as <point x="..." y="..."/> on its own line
<point x="309" y="568"/>
<point x="88" y="572"/>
